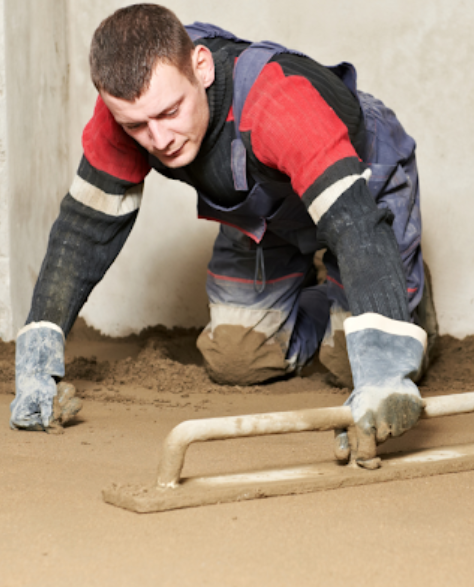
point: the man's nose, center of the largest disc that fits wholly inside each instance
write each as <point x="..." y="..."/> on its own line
<point x="161" y="137"/>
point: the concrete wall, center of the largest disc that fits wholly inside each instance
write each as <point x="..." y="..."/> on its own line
<point x="6" y="319"/>
<point x="34" y="144"/>
<point x="412" y="54"/>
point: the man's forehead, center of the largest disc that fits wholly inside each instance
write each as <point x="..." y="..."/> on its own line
<point x="167" y="86"/>
<point x="162" y="65"/>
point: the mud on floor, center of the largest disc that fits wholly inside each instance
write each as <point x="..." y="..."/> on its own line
<point x="163" y="367"/>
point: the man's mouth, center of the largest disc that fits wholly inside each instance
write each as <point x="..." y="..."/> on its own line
<point x="175" y="153"/>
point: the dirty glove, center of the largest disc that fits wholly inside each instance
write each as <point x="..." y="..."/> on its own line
<point x="385" y="356"/>
<point x="39" y="360"/>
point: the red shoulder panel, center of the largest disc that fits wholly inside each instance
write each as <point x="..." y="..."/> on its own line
<point x="292" y="128"/>
<point x="108" y="147"/>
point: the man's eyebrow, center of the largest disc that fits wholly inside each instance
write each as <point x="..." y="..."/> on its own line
<point x="130" y="123"/>
<point x="172" y="106"/>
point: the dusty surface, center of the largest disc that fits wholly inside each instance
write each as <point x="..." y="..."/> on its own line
<point x="55" y="530"/>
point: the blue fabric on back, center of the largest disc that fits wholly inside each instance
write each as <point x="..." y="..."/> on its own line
<point x="388" y="151"/>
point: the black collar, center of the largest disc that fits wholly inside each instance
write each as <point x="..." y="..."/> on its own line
<point x="219" y="96"/>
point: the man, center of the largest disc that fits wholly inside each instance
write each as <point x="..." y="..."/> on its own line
<point x="290" y="158"/>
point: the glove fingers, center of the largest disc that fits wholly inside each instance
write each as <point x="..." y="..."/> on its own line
<point x="31" y="422"/>
<point x="364" y="443"/>
<point x="68" y="403"/>
<point x="359" y="442"/>
<point x="397" y="414"/>
<point x="342" y="449"/>
<point x="25" y="414"/>
<point x="65" y="407"/>
<point x="43" y="406"/>
<point x="70" y="409"/>
<point x="46" y="394"/>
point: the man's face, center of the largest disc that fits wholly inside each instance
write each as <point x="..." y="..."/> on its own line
<point x="171" y="117"/>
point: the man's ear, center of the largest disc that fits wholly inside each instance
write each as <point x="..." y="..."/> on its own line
<point x="203" y="65"/>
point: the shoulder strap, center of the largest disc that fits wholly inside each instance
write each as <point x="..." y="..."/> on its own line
<point x="246" y="71"/>
<point x="204" y="30"/>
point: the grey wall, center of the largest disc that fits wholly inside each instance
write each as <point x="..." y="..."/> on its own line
<point x="36" y="134"/>
<point x="6" y="321"/>
<point x="413" y="54"/>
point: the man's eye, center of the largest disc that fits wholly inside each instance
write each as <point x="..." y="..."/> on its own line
<point x="172" y="112"/>
<point x="133" y="126"/>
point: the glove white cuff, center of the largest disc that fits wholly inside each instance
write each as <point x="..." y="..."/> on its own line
<point x="388" y="325"/>
<point x="42" y="324"/>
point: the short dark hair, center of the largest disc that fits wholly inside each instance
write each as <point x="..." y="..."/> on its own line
<point x="127" y="46"/>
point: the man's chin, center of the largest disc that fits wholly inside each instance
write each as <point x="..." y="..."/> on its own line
<point x="181" y="159"/>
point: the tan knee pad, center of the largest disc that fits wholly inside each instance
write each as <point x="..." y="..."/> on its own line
<point x="236" y="355"/>
<point x="333" y="351"/>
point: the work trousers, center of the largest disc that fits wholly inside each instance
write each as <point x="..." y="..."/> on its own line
<point x="268" y="314"/>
